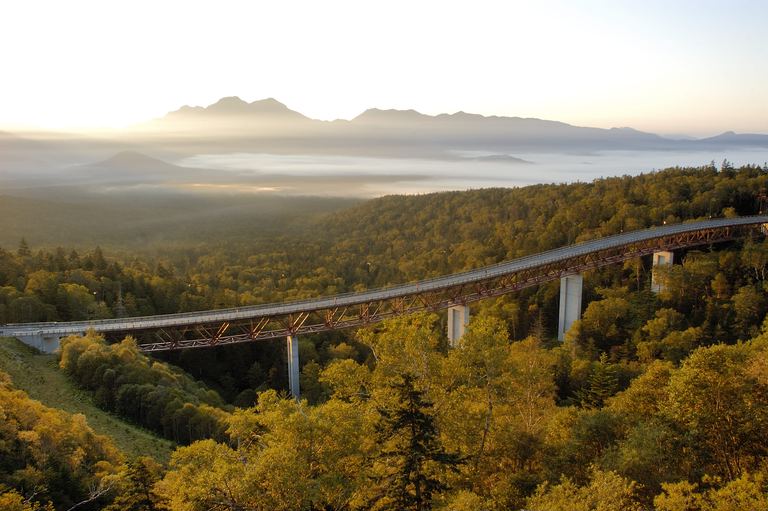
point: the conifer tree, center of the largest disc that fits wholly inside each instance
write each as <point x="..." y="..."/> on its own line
<point x="23" y="250"/>
<point x="411" y="455"/>
<point x="601" y="385"/>
<point x="136" y="492"/>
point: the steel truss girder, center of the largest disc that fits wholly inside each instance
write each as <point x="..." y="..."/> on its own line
<point x="322" y="320"/>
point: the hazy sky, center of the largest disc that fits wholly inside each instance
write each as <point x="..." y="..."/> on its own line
<point x="670" y="66"/>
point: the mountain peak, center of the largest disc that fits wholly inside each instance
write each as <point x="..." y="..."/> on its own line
<point x="739" y="139"/>
<point x="230" y="100"/>
<point x="269" y="101"/>
<point x="270" y="105"/>
<point x="131" y="159"/>
<point x="377" y="114"/>
<point x="230" y="104"/>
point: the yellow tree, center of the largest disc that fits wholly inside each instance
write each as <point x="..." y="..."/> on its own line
<point x="724" y="407"/>
<point x="606" y="491"/>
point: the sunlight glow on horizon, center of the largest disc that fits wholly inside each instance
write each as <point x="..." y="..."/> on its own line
<point x="693" y="67"/>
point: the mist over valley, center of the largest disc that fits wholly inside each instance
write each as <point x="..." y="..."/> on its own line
<point x="263" y="147"/>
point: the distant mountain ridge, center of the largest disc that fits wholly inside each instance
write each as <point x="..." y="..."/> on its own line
<point x="268" y="125"/>
<point x="234" y="106"/>
<point x="231" y="126"/>
<point x="729" y="138"/>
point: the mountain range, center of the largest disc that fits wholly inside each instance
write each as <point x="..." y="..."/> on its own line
<point x="268" y="125"/>
<point x="232" y="125"/>
<point x="278" y="149"/>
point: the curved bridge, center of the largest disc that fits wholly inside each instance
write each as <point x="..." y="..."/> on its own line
<point x="244" y="324"/>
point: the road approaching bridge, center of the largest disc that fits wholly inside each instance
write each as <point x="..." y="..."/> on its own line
<point x="454" y="292"/>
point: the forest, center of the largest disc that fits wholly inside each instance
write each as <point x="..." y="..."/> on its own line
<point x="655" y="401"/>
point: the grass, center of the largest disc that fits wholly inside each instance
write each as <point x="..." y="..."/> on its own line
<point x="38" y="375"/>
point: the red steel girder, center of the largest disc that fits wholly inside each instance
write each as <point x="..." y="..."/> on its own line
<point x="319" y="320"/>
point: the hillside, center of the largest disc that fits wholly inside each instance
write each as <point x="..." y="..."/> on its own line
<point x="38" y="375"/>
<point x="615" y="407"/>
<point x="135" y="221"/>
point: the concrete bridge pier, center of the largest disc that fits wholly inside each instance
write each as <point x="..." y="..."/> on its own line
<point x="570" y="303"/>
<point x="662" y="258"/>
<point x="293" y="365"/>
<point x="44" y="343"/>
<point x="458" y="319"/>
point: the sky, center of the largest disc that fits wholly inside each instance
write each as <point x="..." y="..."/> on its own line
<point x="671" y="67"/>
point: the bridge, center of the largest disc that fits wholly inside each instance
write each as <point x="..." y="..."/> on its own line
<point x="453" y="292"/>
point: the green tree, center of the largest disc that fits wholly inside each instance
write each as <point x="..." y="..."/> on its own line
<point x="605" y="323"/>
<point x="23" y="250"/>
<point x="311" y="387"/>
<point x="75" y="302"/>
<point x="601" y="384"/>
<point x="749" y="306"/>
<point x="348" y="380"/>
<point x="135" y="490"/>
<point x="754" y="256"/>
<point x="408" y="467"/>
<point x="646" y="395"/>
<point x="476" y="369"/>
<point x="723" y="406"/>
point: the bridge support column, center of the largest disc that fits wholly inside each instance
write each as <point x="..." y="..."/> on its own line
<point x="660" y="259"/>
<point x="570" y="303"/>
<point x="293" y="365"/>
<point x="458" y="319"/>
<point x="44" y="343"/>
